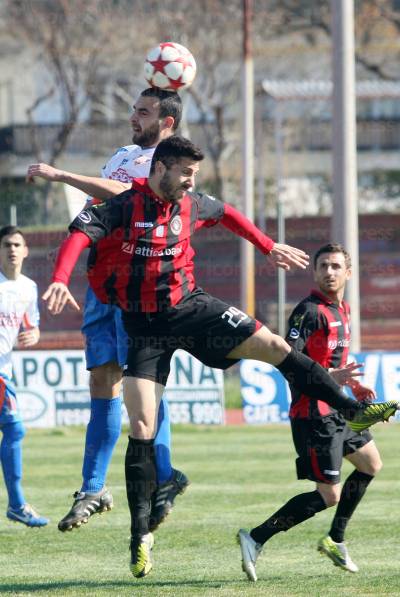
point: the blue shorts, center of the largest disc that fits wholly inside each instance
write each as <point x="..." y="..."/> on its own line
<point x="9" y="412"/>
<point x="106" y="339"/>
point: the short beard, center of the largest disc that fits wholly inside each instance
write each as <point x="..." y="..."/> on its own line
<point x="149" y="137"/>
<point x="167" y="189"/>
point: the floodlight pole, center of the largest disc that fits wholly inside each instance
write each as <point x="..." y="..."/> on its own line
<point x="280" y="213"/>
<point x="345" y="200"/>
<point x="247" y="281"/>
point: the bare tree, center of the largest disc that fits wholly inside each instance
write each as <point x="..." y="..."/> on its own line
<point x="75" y="41"/>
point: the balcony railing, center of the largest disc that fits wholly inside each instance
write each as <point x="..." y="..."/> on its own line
<point x="102" y="139"/>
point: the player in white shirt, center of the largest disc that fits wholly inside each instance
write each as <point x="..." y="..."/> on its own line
<point x="156" y="116"/>
<point x="19" y="321"/>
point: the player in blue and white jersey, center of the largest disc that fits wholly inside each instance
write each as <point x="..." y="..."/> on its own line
<point x="19" y="321"/>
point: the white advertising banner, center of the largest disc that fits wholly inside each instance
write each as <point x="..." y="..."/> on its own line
<point x="266" y="395"/>
<point x="52" y="389"/>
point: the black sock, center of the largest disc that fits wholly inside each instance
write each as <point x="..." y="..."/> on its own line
<point x="141" y="480"/>
<point x="299" y="508"/>
<point x="313" y="380"/>
<point x="353" y="490"/>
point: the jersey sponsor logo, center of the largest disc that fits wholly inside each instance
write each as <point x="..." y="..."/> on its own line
<point x="10" y="320"/>
<point x="85" y="217"/>
<point x="143" y="224"/>
<point x="149" y="252"/>
<point x="142" y="159"/>
<point x="335" y="324"/>
<point x="121" y="175"/>
<point x="127" y="248"/>
<point x="176" y="225"/>
<point x="294" y="334"/>
<point x="343" y="343"/>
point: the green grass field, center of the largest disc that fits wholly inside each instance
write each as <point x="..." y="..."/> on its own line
<point x="239" y="476"/>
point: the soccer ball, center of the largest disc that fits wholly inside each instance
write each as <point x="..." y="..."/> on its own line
<point x="170" y="66"/>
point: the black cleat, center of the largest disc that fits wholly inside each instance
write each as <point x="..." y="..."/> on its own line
<point x="163" y="498"/>
<point x="84" y="506"/>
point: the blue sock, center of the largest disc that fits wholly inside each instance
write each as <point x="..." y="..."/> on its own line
<point x="11" y="462"/>
<point x="102" y="434"/>
<point x="162" y="444"/>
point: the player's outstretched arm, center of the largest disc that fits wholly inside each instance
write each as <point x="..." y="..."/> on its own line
<point x="281" y="255"/>
<point x="57" y="296"/>
<point x="288" y="257"/>
<point x="101" y="188"/>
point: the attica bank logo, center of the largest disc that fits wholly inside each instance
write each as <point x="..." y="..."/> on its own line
<point x="32" y="406"/>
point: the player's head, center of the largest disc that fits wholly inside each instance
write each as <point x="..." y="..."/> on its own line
<point x="156" y="116"/>
<point x="332" y="269"/>
<point x="174" y="166"/>
<point x="13" y="249"/>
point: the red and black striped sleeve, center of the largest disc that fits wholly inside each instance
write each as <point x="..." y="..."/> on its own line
<point x="212" y="211"/>
<point x="98" y="221"/>
<point x="305" y="328"/>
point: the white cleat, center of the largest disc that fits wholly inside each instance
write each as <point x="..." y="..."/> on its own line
<point x="338" y="553"/>
<point x="250" y="552"/>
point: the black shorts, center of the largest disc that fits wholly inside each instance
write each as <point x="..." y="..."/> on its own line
<point x="321" y="444"/>
<point x="204" y="326"/>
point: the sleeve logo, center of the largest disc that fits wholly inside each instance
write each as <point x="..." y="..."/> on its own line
<point x="294" y="334"/>
<point x="85" y="217"/>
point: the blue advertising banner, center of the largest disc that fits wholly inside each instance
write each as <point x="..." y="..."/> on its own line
<point x="266" y="395"/>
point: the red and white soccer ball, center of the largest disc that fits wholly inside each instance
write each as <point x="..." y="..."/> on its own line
<point x="170" y="66"/>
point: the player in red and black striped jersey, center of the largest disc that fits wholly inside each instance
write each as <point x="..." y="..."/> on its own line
<point x="151" y="277"/>
<point x="319" y="327"/>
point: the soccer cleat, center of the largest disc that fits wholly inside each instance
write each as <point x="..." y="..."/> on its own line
<point x="338" y="553"/>
<point x="84" y="506"/>
<point x="250" y="552"/>
<point x="27" y="515"/>
<point x="373" y="413"/>
<point x="162" y="500"/>
<point x="141" y="547"/>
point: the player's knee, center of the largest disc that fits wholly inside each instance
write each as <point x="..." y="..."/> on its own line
<point x="105" y="381"/>
<point x="372" y="468"/>
<point x="330" y="495"/>
<point x="279" y="347"/>
<point x="141" y="430"/>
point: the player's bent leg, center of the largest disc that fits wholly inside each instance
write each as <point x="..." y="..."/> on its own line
<point x="312" y="379"/>
<point x="102" y="434"/>
<point x="263" y="345"/>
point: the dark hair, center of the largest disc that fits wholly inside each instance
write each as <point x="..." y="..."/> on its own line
<point x="170" y="103"/>
<point x="173" y="149"/>
<point x="333" y="248"/>
<point x="9" y="230"/>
